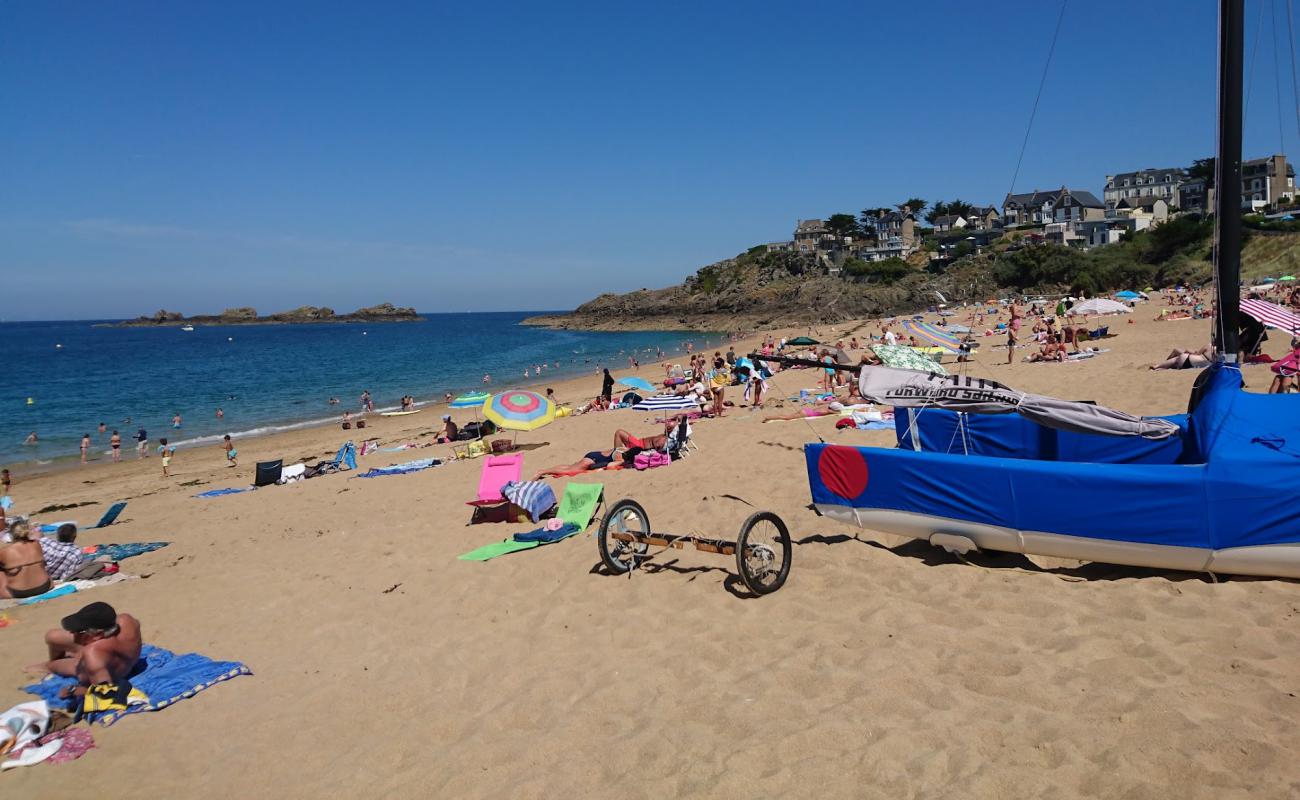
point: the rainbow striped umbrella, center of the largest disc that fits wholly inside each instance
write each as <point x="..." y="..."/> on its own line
<point x="930" y="335"/>
<point x="519" y="410"/>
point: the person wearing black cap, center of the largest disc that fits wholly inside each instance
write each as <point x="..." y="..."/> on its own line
<point x="95" y="645"/>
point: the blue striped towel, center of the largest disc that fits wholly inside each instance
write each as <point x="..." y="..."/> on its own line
<point x="535" y="497"/>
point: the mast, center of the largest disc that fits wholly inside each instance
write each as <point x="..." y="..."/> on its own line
<point x="1227" y="168"/>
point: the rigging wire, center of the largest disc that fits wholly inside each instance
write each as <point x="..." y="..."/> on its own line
<point x="1290" y="39"/>
<point x="1277" y="80"/>
<point x="1254" y="50"/>
<point x="1034" y="111"/>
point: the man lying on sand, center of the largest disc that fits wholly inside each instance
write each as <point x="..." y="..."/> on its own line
<point x="624" y="440"/>
<point x="95" y="645"/>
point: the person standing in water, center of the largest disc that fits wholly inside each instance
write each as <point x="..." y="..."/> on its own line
<point x="220" y="414"/>
<point x="115" y="442"/>
<point x="141" y="443"/>
<point x="85" y="446"/>
<point x="102" y="428"/>
<point x="176" y="421"/>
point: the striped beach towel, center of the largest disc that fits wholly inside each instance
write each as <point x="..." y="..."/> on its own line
<point x="667" y="402"/>
<point x="535" y="497"/>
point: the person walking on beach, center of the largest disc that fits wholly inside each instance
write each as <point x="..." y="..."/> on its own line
<point x="85" y="446"/>
<point x="166" y="453"/>
<point x="607" y="386"/>
<point x="231" y="452"/>
<point x="115" y="442"/>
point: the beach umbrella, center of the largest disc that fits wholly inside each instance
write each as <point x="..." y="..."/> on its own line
<point x="802" y="341"/>
<point x="1271" y="314"/>
<point x="1287" y="278"/>
<point x="519" y="410"/>
<point x="900" y="357"/>
<point x="634" y="382"/>
<point x="470" y="400"/>
<point x="953" y="327"/>
<point x="1097" y="306"/>
<point x="1127" y="295"/>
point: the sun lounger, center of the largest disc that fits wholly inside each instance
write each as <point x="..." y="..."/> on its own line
<point x="110" y="516"/>
<point x="491" y="505"/>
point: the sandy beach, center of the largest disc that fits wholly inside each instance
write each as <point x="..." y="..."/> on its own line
<point x="383" y="666"/>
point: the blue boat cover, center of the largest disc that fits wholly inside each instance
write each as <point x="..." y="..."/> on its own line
<point x="1235" y="484"/>
<point x="1012" y="436"/>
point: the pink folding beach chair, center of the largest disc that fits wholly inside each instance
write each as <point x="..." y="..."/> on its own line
<point x="497" y="472"/>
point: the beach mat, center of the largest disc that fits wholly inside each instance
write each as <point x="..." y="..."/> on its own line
<point x="118" y="552"/>
<point x="71" y="587"/>
<point x="578" y="505"/>
<point x="490" y="551"/>
<point x="221" y="492"/>
<point x="162" y="675"/>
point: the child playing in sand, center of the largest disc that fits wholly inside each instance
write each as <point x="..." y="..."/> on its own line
<point x="231" y="452"/>
<point x="166" y="453"/>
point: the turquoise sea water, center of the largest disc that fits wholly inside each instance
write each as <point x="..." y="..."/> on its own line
<point x="272" y="377"/>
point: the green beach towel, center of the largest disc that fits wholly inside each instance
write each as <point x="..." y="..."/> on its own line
<point x="577" y="507"/>
<point x="579" y="503"/>
<point x="495" y="549"/>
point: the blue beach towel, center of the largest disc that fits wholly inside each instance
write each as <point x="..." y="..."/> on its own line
<point x="400" y="469"/>
<point x="117" y="552"/>
<point x="162" y="675"/>
<point x="220" y="492"/>
<point x="59" y="591"/>
<point x="548" y="537"/>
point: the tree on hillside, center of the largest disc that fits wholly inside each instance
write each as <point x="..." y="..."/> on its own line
<point x="841" y="225"/>
<point x="1203" y="169"/>
<point x="960" y="208"/>
<point x="916" y="204"/>
<point x="937" y="210"/>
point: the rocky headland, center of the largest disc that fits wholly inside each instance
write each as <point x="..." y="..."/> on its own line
<point x="384" y="312"/>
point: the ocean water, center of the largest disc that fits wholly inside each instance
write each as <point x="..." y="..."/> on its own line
<point x="272" y="377"/>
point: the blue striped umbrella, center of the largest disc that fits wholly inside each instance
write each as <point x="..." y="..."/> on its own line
<point x="470" y="400"/>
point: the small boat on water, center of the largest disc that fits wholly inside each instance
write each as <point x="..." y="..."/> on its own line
<point x="188" y="328"/>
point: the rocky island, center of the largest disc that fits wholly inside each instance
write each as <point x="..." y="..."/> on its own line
<point x="384" y="312"/>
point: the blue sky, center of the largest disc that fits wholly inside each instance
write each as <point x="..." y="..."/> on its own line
<point x="531" y="155"/>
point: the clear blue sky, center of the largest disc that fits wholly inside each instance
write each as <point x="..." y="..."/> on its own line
<point x="475" y="156"/>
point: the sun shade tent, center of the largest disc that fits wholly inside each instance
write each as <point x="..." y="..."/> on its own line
<point x="898" y="356"/>
<point x="634" y="382"/>
<point x="268" y="472"/>
<point x="1271" y="314"/>
<point x="801" y="341"/>
<point x="928" y="334"/>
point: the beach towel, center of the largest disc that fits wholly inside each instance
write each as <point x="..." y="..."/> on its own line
<point x="118" y="552"/>
<point x="221" y="492"/>
<point x="70" y="587"/>
<point x="163" y="676"/>
<point x="110" y="516"/>
<point x="400" y="469"/>
<point x="535" y="497"/>
<point x="490" y="551"/>
<point x="549" y="535"/>
<point x="579" y="503"/>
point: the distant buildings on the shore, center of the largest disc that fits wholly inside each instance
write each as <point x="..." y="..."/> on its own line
<point x="1129" y="202"/>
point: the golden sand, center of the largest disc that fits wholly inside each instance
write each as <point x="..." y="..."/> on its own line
<point x="384" y="667"/>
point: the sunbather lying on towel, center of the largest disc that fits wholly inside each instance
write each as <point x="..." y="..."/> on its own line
<point x="95" y="645"/>
<point x="624" y="440"/>
<point x="596" y="459"/>
<point x="1187" y="359"/>
<point x="819" y="410"/>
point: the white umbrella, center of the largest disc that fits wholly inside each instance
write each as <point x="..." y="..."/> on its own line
<point x="1097" y="306"/>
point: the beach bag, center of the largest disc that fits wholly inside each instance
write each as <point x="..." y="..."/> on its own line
<point x="477" y="448"/>
<point x="502" y="445"/>
<point x="649" y="459"/>
<point x="361" y="423"/>
<point x="347" y="426"/>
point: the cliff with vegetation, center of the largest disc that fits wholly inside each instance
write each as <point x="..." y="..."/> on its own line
<point x="384" y="312"/>
<point x="759" y="289"/>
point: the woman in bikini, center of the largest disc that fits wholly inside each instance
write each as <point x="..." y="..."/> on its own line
<point x="22" y="564"/>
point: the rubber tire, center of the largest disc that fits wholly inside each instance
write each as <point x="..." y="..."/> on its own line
<point x="783" y="538"/>
<point x="602" y="541"/>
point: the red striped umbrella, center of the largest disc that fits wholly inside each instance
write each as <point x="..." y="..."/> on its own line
<point x="1271" y="314"/>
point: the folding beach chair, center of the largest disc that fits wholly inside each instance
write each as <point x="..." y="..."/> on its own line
<point x="110" y="516"/>
<point x="268" y="472"/>
<point x="678" y="443"/>
<point x="491" y="505"/>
